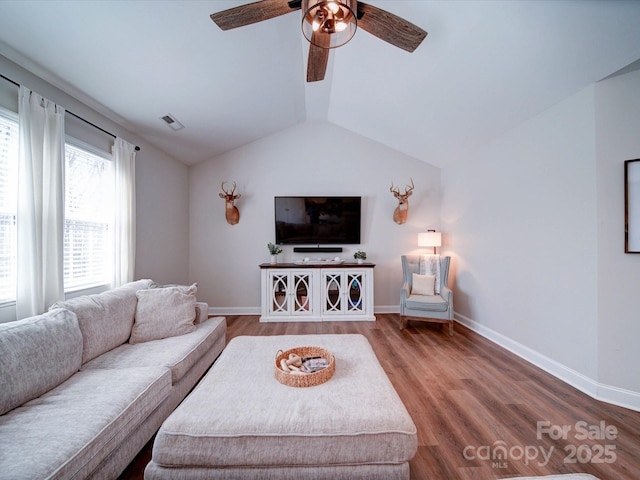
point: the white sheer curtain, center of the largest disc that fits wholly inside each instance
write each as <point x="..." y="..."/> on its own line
<point x="124" y="255"/>
<point x="40" y="222"/>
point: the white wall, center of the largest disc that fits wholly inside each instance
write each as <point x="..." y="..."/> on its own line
<point x="161" y="182"/>
<point x="314" y="158"/>
<point x="162" y="218"/>
<point x="522" y="217"/>
<point x="535" y="224"/>
<point x="618" y="139"/>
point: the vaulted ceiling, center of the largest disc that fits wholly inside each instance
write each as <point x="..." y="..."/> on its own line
<point x="485" y="67"/>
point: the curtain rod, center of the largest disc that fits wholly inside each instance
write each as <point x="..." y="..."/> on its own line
<point x="73" y="114"/>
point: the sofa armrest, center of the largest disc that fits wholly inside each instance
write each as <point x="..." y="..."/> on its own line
<point x="405" y="291"/>
<point x="202" y="312"/>
<point x="446" y="293"/>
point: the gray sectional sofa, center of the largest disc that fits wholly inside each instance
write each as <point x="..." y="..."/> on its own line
<point x="85" y="386"/>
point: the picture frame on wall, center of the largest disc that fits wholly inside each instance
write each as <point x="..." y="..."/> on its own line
<point x="632" y="206"/>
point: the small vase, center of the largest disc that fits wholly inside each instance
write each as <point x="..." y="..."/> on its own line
<point x="274" y="259"/>
<point x="360" y="260"/>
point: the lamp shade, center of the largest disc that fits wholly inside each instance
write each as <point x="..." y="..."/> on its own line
<point x="430" y="239"/>
<point x="329" y="23"/>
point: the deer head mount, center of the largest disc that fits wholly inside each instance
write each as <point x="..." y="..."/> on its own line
<point x="231" y="212"/>
<point x="401" y="211"/>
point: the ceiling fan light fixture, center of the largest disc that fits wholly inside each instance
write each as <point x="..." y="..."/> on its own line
<point x="329" y="23"/>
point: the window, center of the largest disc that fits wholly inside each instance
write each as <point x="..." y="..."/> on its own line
<point x="8" y="204"/>
<point x="88" y="217"/>
<point x="88" y="212"/>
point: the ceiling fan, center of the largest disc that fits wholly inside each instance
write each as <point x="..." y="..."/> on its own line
<point x="327" y="24"/>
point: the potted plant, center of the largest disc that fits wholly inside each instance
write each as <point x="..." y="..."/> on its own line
<point x="360" y="256"/>
<point x="274" y="250"/>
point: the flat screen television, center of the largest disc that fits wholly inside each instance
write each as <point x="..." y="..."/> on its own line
<point x="317" y="220"/>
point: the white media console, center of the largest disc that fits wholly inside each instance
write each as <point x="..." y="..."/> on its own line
<point x="316" y="292"/>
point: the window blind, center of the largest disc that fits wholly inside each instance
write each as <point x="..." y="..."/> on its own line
<point x="88" y="218"/>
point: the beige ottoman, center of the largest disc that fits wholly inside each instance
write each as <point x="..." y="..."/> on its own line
<point x="241" y="423"/>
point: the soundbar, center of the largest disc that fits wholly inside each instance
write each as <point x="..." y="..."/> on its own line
<point x="317" y="249"/>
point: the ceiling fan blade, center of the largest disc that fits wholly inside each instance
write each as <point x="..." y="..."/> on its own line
<point x="318" y="58"/>
<point x="253" y="13"/>
<point x="389" y="27"/>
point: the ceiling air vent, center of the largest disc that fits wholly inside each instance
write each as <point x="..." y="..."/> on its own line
<point x="172" y="121"/>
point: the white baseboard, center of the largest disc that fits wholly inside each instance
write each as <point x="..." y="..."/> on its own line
<point x="605" y="393"/>
<point x="619" y="396"/>
<point x="386" y="309"/>
<point x="222" y="311"/>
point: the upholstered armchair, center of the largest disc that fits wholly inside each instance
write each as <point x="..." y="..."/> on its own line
<point x="421" y="302"/>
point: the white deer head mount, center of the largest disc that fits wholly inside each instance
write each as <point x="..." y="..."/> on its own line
<point x="231" y="212"/>
<point x="401" y="211"/>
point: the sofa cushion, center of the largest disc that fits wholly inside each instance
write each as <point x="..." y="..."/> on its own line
<point x="37" y="354"/>
<point x="176" y="353"/>
<point x="67" y="432"/>
<point x="183" y="288"/>
<point x="136" y="285"/>
<point x="201" y="307"/>
<point x="427" y="303"/>
<point x="164" y="312"/>
<point x="106" y="318"/>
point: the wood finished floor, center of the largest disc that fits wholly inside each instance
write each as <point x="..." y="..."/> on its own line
<point x="468" y="396"/>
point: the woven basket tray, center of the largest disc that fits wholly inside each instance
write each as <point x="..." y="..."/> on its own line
<point x="307" y="379"/>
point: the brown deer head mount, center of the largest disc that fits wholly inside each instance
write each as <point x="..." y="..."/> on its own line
<point x="231" y="212"/>
<point x="401" y="211"/>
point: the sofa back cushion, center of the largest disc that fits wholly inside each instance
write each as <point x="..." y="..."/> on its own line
<point x="106" y="318"/>
<point x="37" y="354"/>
